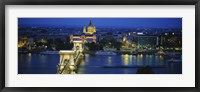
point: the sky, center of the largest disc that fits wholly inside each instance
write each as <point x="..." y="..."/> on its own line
<point x="105" y="22"/>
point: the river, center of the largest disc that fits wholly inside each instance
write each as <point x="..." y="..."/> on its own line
<point x="116" y="64"/>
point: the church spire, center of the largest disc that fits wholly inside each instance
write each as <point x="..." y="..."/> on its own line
<point x="84" y="29"/>
<point x="90" y="24"/>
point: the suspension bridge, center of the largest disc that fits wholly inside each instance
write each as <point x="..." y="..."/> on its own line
<point x="70" y="59"/>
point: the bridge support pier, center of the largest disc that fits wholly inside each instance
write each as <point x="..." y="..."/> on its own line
<point x="66" y="61"/>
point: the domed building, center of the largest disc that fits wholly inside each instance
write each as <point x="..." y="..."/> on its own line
<point x="90" y="30"/>
<point x="87" y="36"/>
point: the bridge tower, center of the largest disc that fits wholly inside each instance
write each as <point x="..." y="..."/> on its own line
<point x="67" y="64"/>
<point x="69" y="59"/>
<point x="78" y="45"/>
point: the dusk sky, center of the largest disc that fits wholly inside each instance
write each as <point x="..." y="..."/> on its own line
<point x="105" y="22"/>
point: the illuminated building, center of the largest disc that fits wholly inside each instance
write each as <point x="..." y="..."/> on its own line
<point x="147" y="42"/>
<point x="171" y="40"/>
<point x="88" y="35"/>
<point x="125" y="42"/>
<point x="90" y="30"/>
<point x="127" y="45"/>
<point x="22" y="42"/>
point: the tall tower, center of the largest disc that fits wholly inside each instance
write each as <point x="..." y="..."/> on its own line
<point x="84" y="29"/>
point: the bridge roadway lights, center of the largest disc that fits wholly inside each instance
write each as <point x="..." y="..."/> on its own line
<point x="82" y="38"/>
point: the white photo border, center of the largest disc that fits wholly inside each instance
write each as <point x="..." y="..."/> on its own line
<point x="186" y="79"/>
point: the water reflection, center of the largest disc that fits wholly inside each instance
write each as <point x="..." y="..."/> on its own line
<point x="116" y="64"/>
<point x="134" y="60"/>
<point x="109" y="59"/>
<point x="86" y="57"/>
<point x="126" y="59"/>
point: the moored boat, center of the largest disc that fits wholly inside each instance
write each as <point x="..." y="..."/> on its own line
<point x="174" y="60"/>
<point x="49" y="52"/>
<point x="105" y="53"/>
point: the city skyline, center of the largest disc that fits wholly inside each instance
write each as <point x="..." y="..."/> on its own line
<point x="104" y="22"/>
<point x="88" y="48"/>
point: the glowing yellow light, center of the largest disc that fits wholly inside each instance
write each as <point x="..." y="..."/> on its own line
<point x="73" y="72"/>
<point x="126" y="59"/>
<point x="161" y="57"/>
<point x="82" y="63"/>
<point x="21" y="44"/>
<point x="72" y="67"/>
<point x="126" y="55"/>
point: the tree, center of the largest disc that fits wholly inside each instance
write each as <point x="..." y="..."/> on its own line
<point x="145" y="70"/>
<point x="49" y="44"/>
<point x="59" y="44"/>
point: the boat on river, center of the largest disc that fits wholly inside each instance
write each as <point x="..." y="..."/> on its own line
<point x="105" y="53"/>
<point x="49" y="52"/>
<point x="174" y="60"/>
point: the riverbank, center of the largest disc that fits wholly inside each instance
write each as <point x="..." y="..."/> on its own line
<point x="49" y="52"/>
